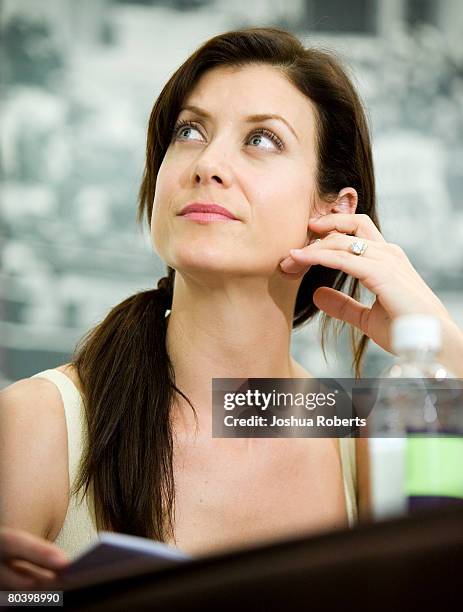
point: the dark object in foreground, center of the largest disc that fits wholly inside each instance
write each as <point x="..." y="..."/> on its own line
<point x="400" y="564"/>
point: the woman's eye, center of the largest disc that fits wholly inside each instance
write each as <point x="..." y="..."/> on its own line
<point x="262" y="135"/>
<point x="183" y="130"/>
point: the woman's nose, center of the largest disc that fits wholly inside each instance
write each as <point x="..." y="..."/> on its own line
<point x="212" y="167"/>
<point x="201" y="178"/>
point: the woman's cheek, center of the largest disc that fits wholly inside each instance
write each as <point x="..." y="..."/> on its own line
<point x="157" y="231"/>
<point x="290" y="225"/>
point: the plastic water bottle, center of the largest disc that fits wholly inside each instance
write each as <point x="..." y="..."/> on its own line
<point x="417" y="459"/>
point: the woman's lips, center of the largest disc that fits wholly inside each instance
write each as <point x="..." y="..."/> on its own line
<point x="206" y="217"/>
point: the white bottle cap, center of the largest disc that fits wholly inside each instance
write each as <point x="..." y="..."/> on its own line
<point x="416" y="331"/>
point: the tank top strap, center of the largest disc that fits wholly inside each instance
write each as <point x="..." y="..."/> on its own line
<point x="74" y="414"/>
<point x="349" y="474"/>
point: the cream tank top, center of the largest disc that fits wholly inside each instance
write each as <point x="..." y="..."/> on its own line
<point x="79" y="527"/>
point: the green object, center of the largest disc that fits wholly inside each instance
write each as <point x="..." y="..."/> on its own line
<point x="434" y="465"/>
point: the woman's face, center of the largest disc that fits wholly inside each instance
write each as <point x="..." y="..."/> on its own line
<point x="261" y="169"/>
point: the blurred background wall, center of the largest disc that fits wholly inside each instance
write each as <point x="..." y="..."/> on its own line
<point x="78" y="80"/>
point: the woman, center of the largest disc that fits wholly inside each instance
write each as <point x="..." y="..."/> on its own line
<point x="274" y="134"/>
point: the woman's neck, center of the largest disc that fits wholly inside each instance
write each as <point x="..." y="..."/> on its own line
<point x="236" y="332"/>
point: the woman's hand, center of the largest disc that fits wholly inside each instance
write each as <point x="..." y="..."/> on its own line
<point x="27" y="561"/>
<point x="383" y="268"/>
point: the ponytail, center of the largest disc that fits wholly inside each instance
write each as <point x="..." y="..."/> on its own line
<point x="128" y="385"/>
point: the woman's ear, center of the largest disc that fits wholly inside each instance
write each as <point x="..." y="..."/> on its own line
<point x="346" y="202"/>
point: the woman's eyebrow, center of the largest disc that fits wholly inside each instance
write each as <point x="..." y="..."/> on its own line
<point x="250" y="119"/>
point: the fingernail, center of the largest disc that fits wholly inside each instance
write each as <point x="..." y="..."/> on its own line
<point x="312" y="219"/>
<point x="296" y="251"/>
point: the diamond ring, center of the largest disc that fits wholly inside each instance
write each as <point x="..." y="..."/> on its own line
<point x="358" y="247"/>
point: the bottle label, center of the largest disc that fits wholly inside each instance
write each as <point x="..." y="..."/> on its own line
<point x="434" y="473"/>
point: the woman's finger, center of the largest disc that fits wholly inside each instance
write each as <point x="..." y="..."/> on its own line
<point x="342" y="306"/>
<point x="354" y="265"/>
<point x="358" y="225"/>
<point x="301" y="259"/>
<point x="25" y="568"/>
<point x="19" y="544"/>
<point x="294" y="268"/>
<point x="341" y="242"/>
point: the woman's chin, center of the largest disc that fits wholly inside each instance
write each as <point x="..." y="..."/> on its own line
<point x="202" y="256"/>
<point x="204" y="264"/>
<point x="215" y="259"/>
<point x="221" y="267"/>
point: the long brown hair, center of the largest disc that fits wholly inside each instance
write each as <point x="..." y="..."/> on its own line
<point x="125" y="372"/>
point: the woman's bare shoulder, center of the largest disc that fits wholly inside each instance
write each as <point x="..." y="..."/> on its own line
<point x="33" y="450"/>
<point x="40" y="393"/>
